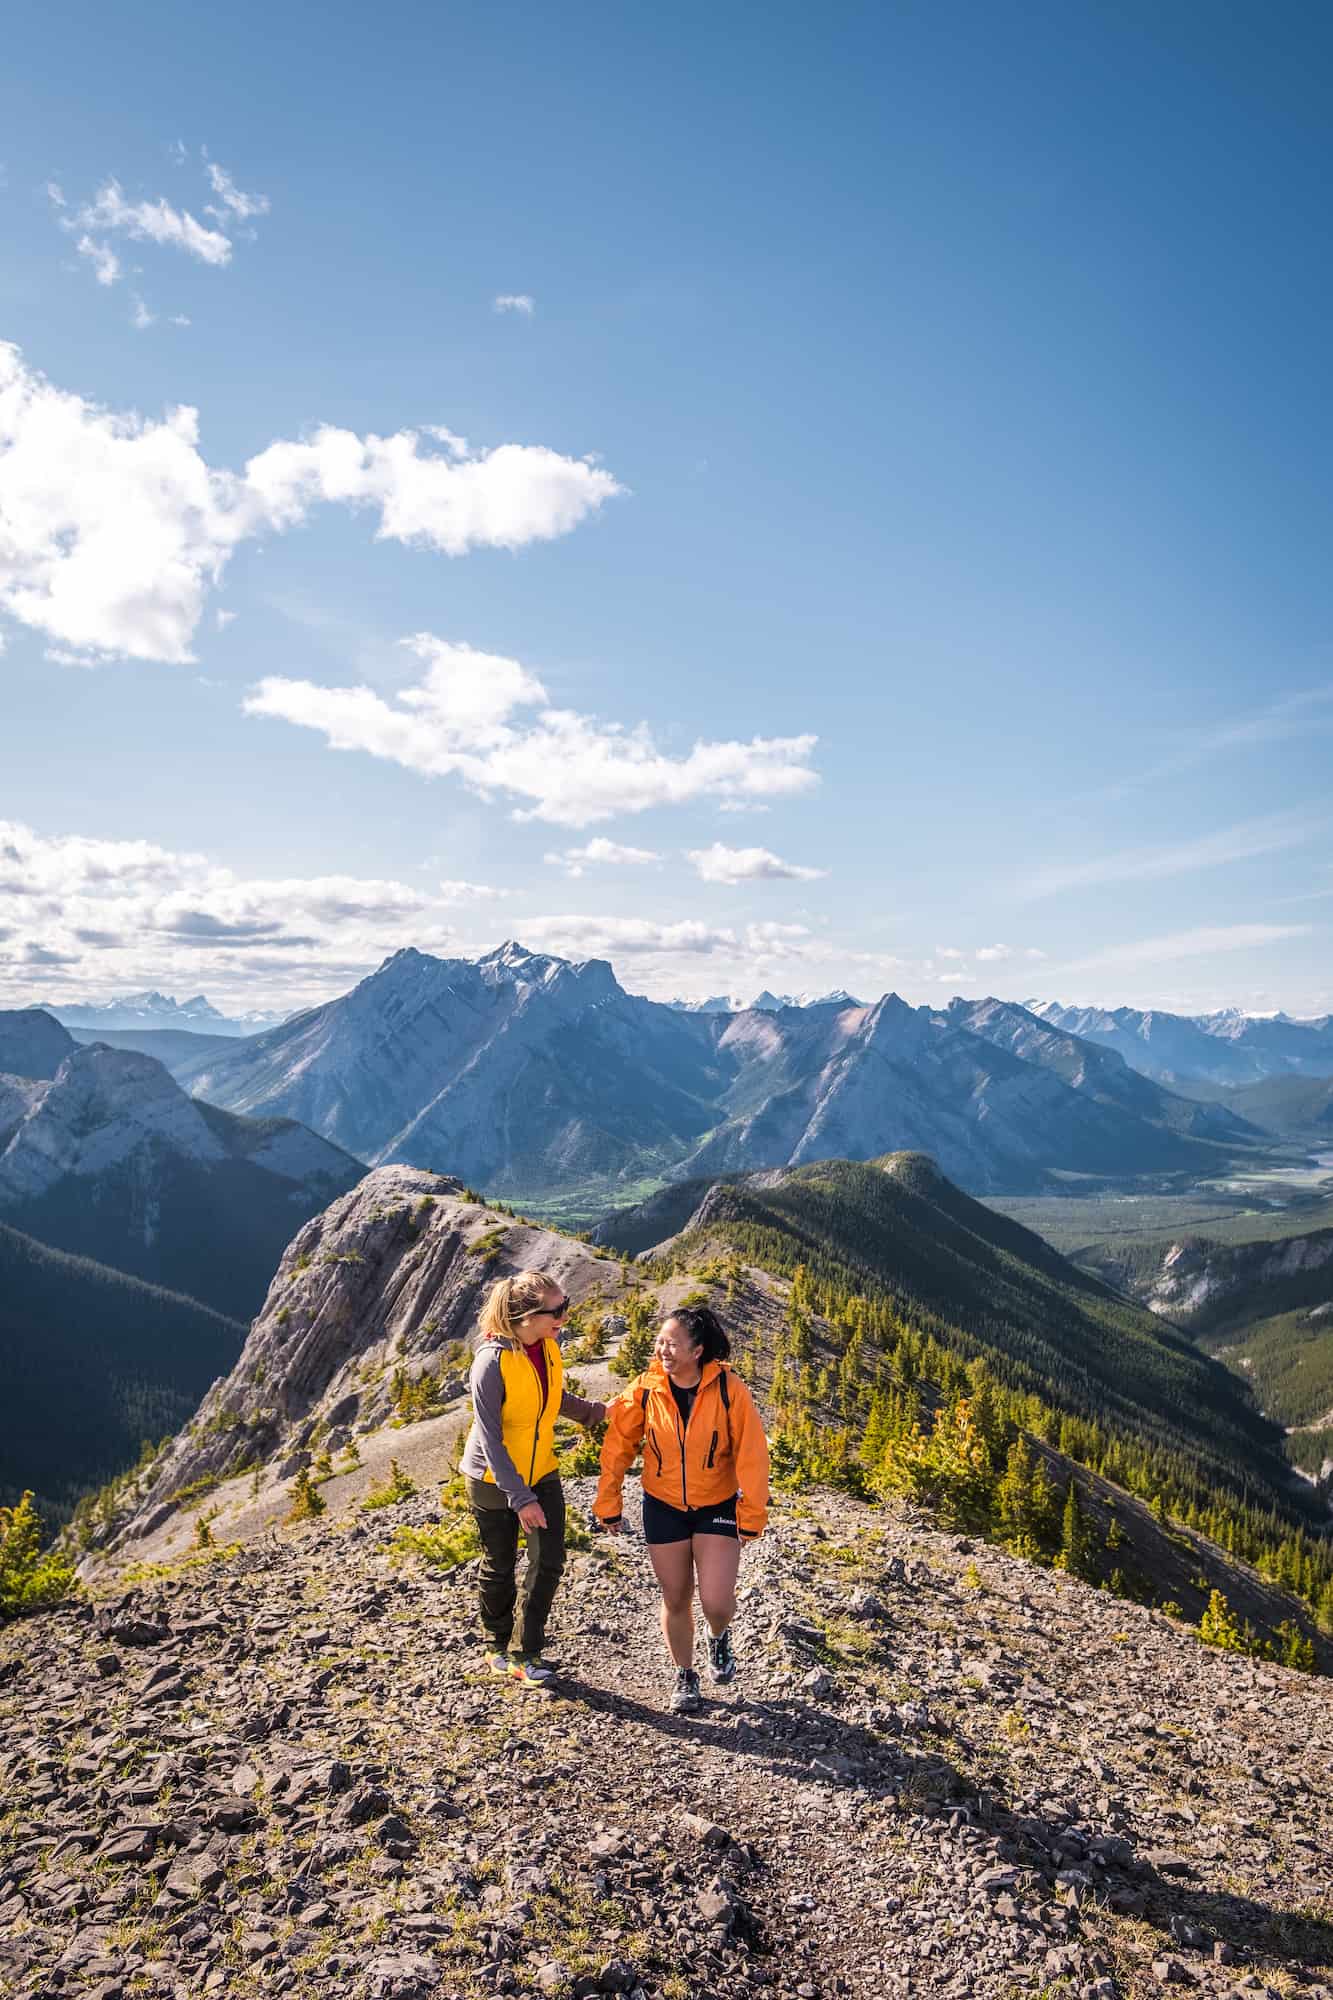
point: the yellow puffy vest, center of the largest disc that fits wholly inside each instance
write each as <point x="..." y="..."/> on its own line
<point x="526" y="1420"/>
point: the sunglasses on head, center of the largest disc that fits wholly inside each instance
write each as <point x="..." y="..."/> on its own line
<point x="555" y="1311"/>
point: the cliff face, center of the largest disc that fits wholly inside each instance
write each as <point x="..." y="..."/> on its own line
<point x="383" y="1288"/>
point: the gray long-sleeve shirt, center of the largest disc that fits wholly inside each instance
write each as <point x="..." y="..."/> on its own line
<point x="485" y="1448"/>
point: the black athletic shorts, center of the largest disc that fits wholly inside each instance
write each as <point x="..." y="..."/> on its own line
<point x="677" y="1524"/>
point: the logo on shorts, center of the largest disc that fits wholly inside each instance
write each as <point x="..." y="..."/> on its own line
<point x="722" y="1521"/>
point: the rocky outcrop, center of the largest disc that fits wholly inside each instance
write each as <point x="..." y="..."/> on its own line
<point x="941" y="1772"/>
<point x="380" y="1291"/>
<point x="1199" y="1278"/>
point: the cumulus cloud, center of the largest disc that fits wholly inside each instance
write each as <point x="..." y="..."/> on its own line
<point x="154" y="222"/>
<point x="515" y="302"/>
<point x="235" y="205"/>
<point x="464" y="719"/>
<point x="731" y="865"/>
<point x="141" y="319"/>
<point x="470" y="892"/>
<point x="431" y="488"/>
<point x="113" y="527"/>
<point x="105" y="263"/>
<point x="149" y="914"/>
<point x="600" y="853"/>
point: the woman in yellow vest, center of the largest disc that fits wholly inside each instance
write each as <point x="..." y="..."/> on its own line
<point x="509" y="1467"/>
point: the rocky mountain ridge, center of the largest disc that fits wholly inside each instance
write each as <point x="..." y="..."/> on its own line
<point x="160" y="1010"/>
<point x="543" y="1078"/>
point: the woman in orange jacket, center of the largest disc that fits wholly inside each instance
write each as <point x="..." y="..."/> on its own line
<point x="705" y="1484"/>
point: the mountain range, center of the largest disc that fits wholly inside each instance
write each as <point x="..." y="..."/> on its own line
<point x="103" y="1155"/>
<point x="159" y="1010"/>
<point x="545" y="1079"/>
<point x="1225" y="1047"/>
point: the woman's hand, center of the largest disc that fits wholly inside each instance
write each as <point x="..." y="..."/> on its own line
<point x="533" y="1515"/>
<point x="611" y="1527"/>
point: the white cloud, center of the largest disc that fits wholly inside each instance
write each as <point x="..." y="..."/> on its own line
<point x="948" y="951"/>
<point x="731" y="865"/>
<point x="115" y="526"/>
<point x="244" y="207"/>
<point x="154" y="222"/>
<point x="136" y="913"/>
<point x="989" y="954"/>
<point x="569" y="770"/>
<point x="515" y="302"/>
<point x="55" y="194"/>
<point x="180" y="319"/>
<point x="600" y="853"/>
<point x="1141" y="864"/>
<point x="470" y="892"/>
<point x="222" y="619"/>
<point x="1033" y="953"/>
<point x="105" y="263"/>
<point x="603" y="937"/>
<point x="450" y="498"/>
<point x="141" y="319"/>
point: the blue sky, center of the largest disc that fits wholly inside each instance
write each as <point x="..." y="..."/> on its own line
<point x="941" y="383"/>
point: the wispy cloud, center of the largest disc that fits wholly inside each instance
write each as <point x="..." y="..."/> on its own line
<point x="731" y="865"/>
<point x="154" y="222"/>
<point x="1294" y="715"/>
<point x="522" y="303"/>
<point x="1199" y="943"/>
<point x="1142" y="864"/>
<point x="105" y="263"/>
<point x="236" y="206"/>
<point x="141" y="319"/>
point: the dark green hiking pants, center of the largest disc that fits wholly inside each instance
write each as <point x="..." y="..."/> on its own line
<point x="498" y="1592"/>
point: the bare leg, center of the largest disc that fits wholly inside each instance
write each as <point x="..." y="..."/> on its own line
<point x="717" y="1559"/>
<point x="674" y="1570"/>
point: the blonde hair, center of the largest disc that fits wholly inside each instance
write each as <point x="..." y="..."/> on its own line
<point x="511" y="1299"/>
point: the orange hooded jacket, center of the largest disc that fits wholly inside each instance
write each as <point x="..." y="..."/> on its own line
<point x="721" y="1451"/>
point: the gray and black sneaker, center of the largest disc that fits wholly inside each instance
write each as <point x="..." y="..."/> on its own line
<point x="721" y="1657"/>
<point x="685" y="1694"/>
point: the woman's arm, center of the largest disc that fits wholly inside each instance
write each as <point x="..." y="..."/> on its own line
<point x="620" y="1448"/>
<point x="749" y="1448"/>
<point x="487" y="1402"/>
<point x="581" y="1410"/>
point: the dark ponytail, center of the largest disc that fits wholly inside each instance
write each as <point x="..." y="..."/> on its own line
<point x="705" y="1330"/>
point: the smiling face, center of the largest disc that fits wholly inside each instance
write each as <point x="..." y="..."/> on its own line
<point x="543" y="1322"/>
<point x="679" y="1352"/>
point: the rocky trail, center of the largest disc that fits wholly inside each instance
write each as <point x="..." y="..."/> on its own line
<point x="942" y="1771"/>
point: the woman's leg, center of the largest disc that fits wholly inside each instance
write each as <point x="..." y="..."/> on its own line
<point x="544" y="1567"/>
<point x="674" y="1570"/>
<point x="497" y="1526"/>
<point x="717" y="1560"/>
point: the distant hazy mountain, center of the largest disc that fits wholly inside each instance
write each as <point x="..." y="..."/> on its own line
<point x="172" y="1046"/>
<point x="766" y="1002"/>
<point x="93" y="1362"/>
<point x="110" y="1159"/>
<point x="530" y="1075"/>
<point x="1227" y="1047"/>
<point x="158" y="1010"/>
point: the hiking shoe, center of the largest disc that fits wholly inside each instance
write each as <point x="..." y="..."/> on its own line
<point x="498" y="1664"/>
<point x="528" y="1668"/>
<point x="685" y="1694"/>
<point x="721" y="1658"/>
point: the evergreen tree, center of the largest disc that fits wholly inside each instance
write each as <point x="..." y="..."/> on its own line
<point x="1075" y="1541"/>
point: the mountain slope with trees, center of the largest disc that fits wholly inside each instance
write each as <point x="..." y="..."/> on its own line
<point x="93" y="1363"/>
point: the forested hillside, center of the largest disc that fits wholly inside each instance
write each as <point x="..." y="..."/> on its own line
<point x="93" y="1363"/>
